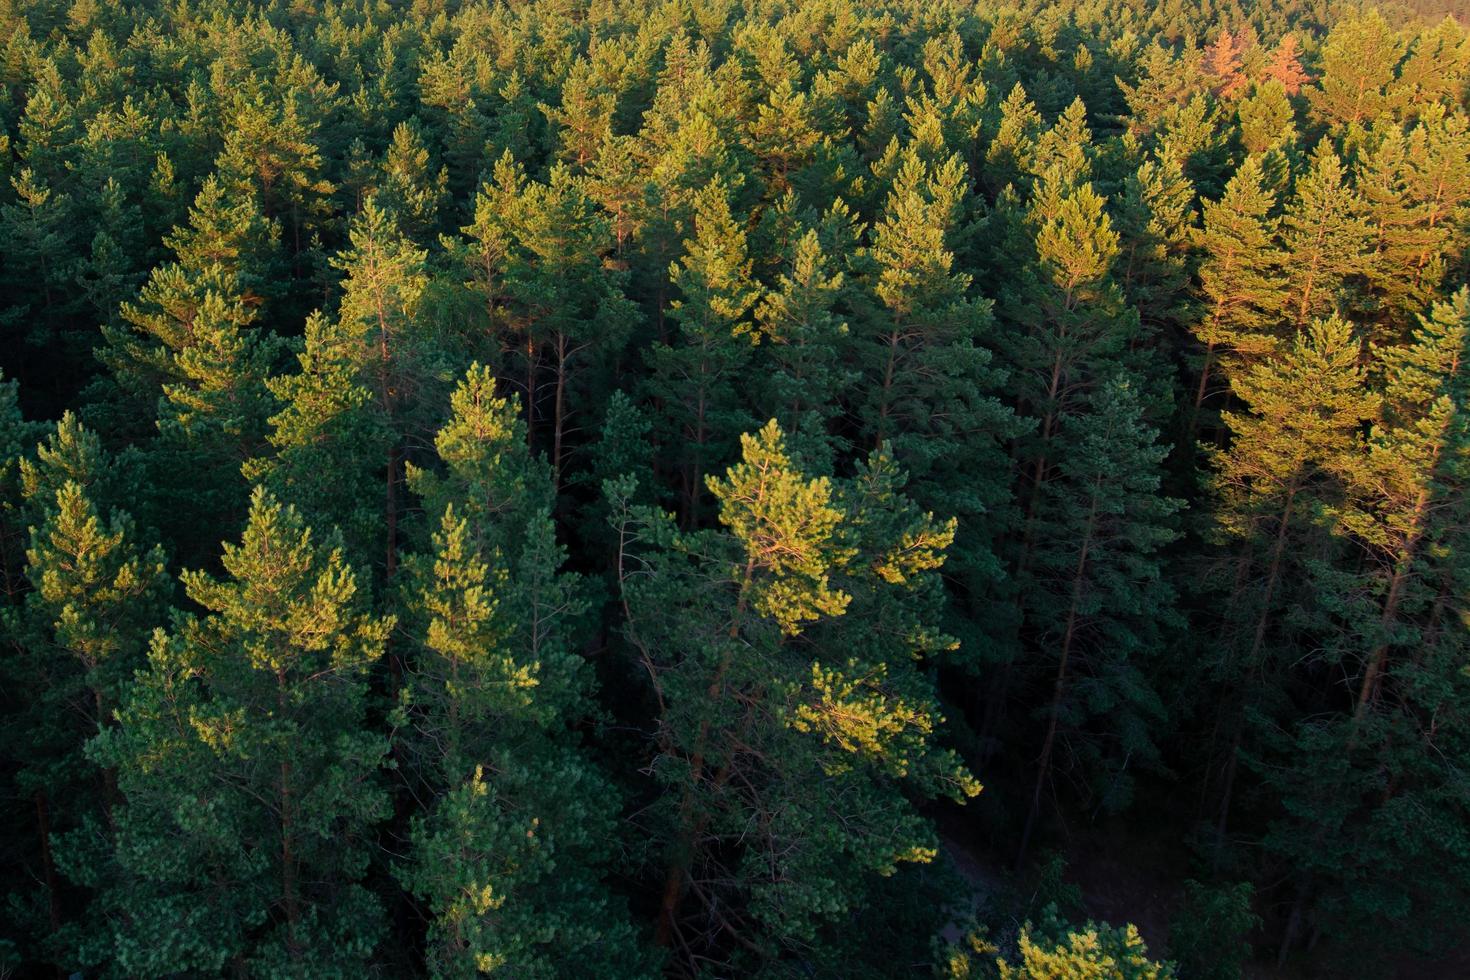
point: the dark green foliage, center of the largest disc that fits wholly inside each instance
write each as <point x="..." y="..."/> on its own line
<point x="726" y="433"/>
<point x="1209" y="935"/>
<point x="248" y="781"/>
<point x="809" y="603"/>
<point x="507" y="856"/>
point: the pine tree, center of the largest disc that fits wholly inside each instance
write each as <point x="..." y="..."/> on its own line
<point x="113" y="269"/>
<point x="227" y="229"/>
<point x="1327" y="240"/>
<point x="922" y="324"/>
<point x="1408" y="182"/>
<point x="928" y="386"/>
<point x="1285" y="66"/>
<point x="95" y="595"/>
<point x="1349" y="777"/>
<point x="1412" y="472"/>
<point x="1222" y="61"/>
<point x="193" y="324"/>
<point x="1095" y="596"/>
<point x="1052" y="948"/>
<point x="40" y="267"/>
<point x="694" y="378"/>
<point x="1267" y="119"/>
<point x="327" y="439"/>
<point x="583" y="122"/>
<point x="193" y="361"/>
<point x="408" y="186"/>
<point x="364" y="392"/>
<point x="564" y="300"/>
<point x="1073" y="323"/>
<point x="18" y="439"/>
<point x="1014" y="141"/>
<point x="508" y="854"/>
<point x="248" y="774"/>
<point x="477" y="259"/>
<point x="811" y="601"/>
<point x="803" y="338"/>
<point x="271" y="152"/>
<point x="1357" y="64"/>
<point x="1156" y="217"/>
<point x="1295" y="446"/>
<point x="1242" y="279"/>
<point x="784" y="133"/>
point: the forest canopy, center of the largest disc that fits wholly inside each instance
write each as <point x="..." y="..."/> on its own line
<point x="797" y="488"/>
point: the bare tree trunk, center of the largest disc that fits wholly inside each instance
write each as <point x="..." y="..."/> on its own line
<point x="48" y="863"/>
<point x="559" y="412"/>
<point x="1043" y="765"/>
<point x="692" y="827"/>
<point x="289" y="898"/>
<point x="1257" y="642"/>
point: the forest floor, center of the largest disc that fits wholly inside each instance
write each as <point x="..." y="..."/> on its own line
<point x="1144" y="889"/>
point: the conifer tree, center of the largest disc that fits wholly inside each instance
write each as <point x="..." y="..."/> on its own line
<point x="113" y="269"/>
<point x="928" y="388"/>
<point x="1096" y="598"/>
<point x="477" y="260"/>
<point x="271" y="152"/>
<point x="583" y="120"/>
<point x="1285" y="66"/>
<point x="563" y="299"/>
<point x="1242" y="278"/>
<point x="1222" y="61"/>
<point x="1014" y="140"/>
<point x="694" y="378"/>
<point x="799" y="605"/>
<point x="193" y="325"/>
<point x="41" y="264"/>
<point x="803" y="338"/>
<point x="328" y="439"/>
<point x="1410" y="182"/>
<point x="96" y="594"/>
<point x="248" y="773"/>
<point x="507" y="854"/>
<point x="1155" y="219"/>
<point x="193" y="361"/>
<point x="228" y="229"/>
<point x="408" y="186"/>
<point x="1357" y="66"/>
<point x="1073" y="325"/>
<point x="1348" y="777"/>
<point x="1267" y="119"/>
<point x="18" y="439"/>
<point x="1327" y="240"/>
<point x="1415" y="462"/>
<point x="367" y="379"/>
<point x="1295" y="446"/>
<point x="1052" y="948"/>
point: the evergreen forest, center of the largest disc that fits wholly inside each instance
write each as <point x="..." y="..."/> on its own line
<point x="734" y="488"/>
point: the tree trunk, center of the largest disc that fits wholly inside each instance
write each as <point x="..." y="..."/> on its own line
<point x="1372" y="674"/>
<point x="559" y="412"/>
<point x="390" y="516"/>
<point x="1251" y="662"/>
<point x="530" y="394"/>
<point x="48" y="863"/>
<point x="1200" y="392"/>
<point x="1043" y="765"/>
<point x="883" y="399"/>
<point x="690" y="826"/>
<point x="289" y="899"/>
